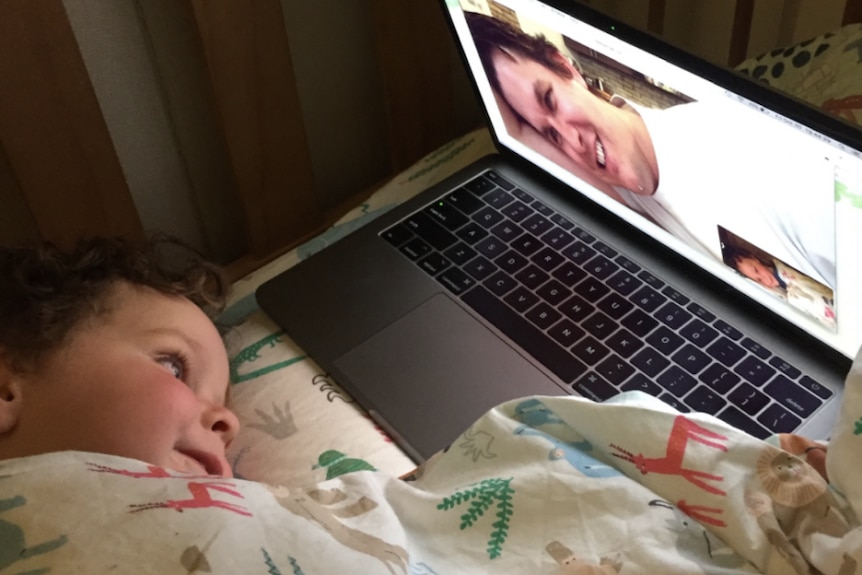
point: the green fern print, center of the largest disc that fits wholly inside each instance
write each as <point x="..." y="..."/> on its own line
<point x="858" y="430"/>
<point x="482" y="496"/>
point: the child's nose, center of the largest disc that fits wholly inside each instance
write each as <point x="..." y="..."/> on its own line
<point x="222" y="421"/>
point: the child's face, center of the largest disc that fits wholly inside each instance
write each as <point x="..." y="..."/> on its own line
<point x="146" y="381"/>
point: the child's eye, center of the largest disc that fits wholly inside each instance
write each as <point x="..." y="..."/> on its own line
<point x="175" y="364"/>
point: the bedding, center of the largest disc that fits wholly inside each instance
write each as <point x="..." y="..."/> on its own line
<point x="537" y="485"/>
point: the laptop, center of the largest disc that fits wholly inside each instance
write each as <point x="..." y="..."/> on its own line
<point x="651" y="222"/>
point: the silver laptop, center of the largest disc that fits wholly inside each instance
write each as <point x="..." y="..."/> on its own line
<point x="651" y="223"/>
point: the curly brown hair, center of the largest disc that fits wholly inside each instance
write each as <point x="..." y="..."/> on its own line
<point x="46" y="292"/>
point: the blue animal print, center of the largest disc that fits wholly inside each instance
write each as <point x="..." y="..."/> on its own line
<point x="13" y="548"/>
<point x="535" y="413"/>
<point x="573" y="452"/>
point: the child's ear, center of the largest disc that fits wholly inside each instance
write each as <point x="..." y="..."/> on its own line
<point x="11" y="396"/>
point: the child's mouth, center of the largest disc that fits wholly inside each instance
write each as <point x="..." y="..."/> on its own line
<point x="600" y="153"/>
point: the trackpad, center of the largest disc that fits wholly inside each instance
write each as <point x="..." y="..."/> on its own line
<point x="433" y="372"/>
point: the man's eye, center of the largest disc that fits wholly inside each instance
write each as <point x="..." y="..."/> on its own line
<point x="176" y="365"/>
<point x="553" y="135"/>
<point x="549" y="100"/>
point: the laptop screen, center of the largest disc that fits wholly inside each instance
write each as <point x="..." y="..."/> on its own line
<point x="738" y="180"/>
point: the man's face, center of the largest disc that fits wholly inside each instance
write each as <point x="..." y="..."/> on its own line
<point x="599" y="137"/>
<point x="146" y="381"/>
<point x="753" y="269"/>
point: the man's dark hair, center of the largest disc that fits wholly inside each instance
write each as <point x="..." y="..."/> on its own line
<point x="45" y="292"/>
<point x="491" y="34"/>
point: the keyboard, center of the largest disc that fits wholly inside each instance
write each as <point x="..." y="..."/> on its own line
<point x="597" y="320"/>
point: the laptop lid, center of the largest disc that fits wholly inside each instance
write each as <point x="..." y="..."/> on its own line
<point x="750" y="185"/>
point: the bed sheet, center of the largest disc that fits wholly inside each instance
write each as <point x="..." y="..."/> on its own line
<point x="537" y="485"/>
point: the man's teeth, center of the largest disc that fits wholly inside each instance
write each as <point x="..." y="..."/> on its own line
<point x="600" y="153"/>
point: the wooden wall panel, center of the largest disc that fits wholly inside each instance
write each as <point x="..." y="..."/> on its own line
<point x="248" y="57"/>
<point x="58" y="148"/>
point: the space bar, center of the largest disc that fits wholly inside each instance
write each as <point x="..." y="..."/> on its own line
<point x="564" y="365"/>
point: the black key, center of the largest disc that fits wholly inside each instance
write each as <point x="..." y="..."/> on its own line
<point x="647" y="298"/>
<point x="569" y="274"/>
<point x="491" y="247"/>
<point x="719" y="378"/>
<point x="665" y="340"/>
<point x="674" y="402"/>
<point x="522" y="332"/>
<point x="561" y="221"/>
<point x="576" y="308"/>
<point x="593" y="387"/>
<point x="640" y="382"/>
<point x="650" y="361"/>
<point x="507" y="231"/>
<point x="698" y="333"/>
<point x="740" y="420"/>
<point x="615" y="306"/>
<point x="434" y="263"/>
<point x="446" y="215"/>
<point x="627" y="264"/>
<point x="397" y="235"/>
<point x="675" y="295"/>
<point x="547" y="259"/>
<point x="605" y="249"/>
<point x="527" y="244"/>
<point x="460" y="253"/>
<point x="691" y="359"/>
<point x="415" y="249"/>
<point x="423" y="226"/>
<point x="487" y="217"/>
<point x="624" y="282"/>
<point x="456" y="280"/>
<point x="480" y="268"/>
<point x="523" y="196"/>
<point x="557" y="238"/>
<point x="814" y="387"/>
<point x="499" y="180"/>
<point x="517" y="211"/>
<point x="701" y="312"/>
<point x="542" y="208"/>
<point x="614" y="369"/>
<point x="639" y="323"/>
<point x="705" y="400"/>
<point x="480" y="185"/>
<point x="464" y="201"/>
<point x="672" y="315"/>
<point x="600" y="325"/>
<point x="792" y="396"/>
<point x="543" y="315"/>
<point x="755" y="348"/>
<point x="624" y="342"/>
<point x="532" y="277"/>
<point x="592" y="289"/>
<point x="521" y="299"/>
<point x="579" y="252"/>
<point x="784" y="367"/>
<point x="537" y="224"/>
<point x="500" y="283"/>
<point x="511" y="261"/>
<point x="778" y="420"/>
<point x="725" y="351"/>
<point x="676" y="381"/>
<point x="651" y="280"/>
<point x="590" y="350"/>
<point x="584" y="235"/>
<point x="498" y="198"/>
<point x="754" y="371"/>
<point x="728" y="330"/>
<point x="601" y="267"/>
<point x="471" y="233"/>
<point x="566" y="332"/>
<point x="553" y="292"/>
<point x="747" y="398"/>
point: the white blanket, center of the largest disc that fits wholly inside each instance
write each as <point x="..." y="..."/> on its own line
<point x="539" y="485"/>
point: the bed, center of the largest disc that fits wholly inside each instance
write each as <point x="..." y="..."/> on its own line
<point x="537" y="485"/>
